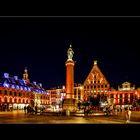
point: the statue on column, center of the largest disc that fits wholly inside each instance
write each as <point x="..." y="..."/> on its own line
<point x="70" y="53"/>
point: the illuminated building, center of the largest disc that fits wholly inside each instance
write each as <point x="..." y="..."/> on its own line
<point x="57" y="95"/>
<point x="78" y="92"/>
<point x="16" y="93"/>
<point x="95" y="83"/>
<point x="125" y="95"/>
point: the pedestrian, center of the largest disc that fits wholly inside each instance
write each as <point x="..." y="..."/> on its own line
<point x="25" y="109"/>
<point x="129" y="114"/>
<point x="35" y="109"/>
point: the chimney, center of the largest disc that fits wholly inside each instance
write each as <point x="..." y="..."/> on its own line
<point x="16" y="77"/>
<point x="6" y="75"/>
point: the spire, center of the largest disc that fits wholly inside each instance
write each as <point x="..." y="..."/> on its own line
<point x="25" y="75"/>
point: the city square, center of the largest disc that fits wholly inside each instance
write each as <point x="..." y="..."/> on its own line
<point x="84" y="85"/>
<point x="19" y="117"/>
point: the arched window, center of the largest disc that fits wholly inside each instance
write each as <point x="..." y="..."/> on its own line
<point x="10" y="100"/>
<point x="5" y="99"/>
<point x="15" y="100"/>
<point x="23" y="101"/>
<point x="19" y="94"/>
<point x="19" y="100"/>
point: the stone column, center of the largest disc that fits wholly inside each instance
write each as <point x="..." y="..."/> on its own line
<point x="69" y="104"/>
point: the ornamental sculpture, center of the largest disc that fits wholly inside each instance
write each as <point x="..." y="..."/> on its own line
<point x="70" y="53"/>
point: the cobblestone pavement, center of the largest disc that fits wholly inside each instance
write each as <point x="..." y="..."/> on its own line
<point x="19" y="117"/>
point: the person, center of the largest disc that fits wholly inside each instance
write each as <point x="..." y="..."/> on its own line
<point x="129" y="114"/>
<point x="126" y="114"/>
<point x="25" y="109"/>
<point x="35" y="109"/>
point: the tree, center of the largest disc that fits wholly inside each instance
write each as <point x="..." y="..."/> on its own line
<point x="136" y="103"/>
<point x="94" y="100"/>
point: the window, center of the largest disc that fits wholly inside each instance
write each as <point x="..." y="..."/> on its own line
<point x="27" y="95"/>
<point x="10" y="100"/>
<point x="10" y="93"/>
<point x="15" y="93"/>
<point x="15" y="100"/>
<point x="0" y="92"/>
<point x="111" y="95"/>
<point x="19" y="94"/>
<point x="91" y="82"/>
<point x="5" y="92"/>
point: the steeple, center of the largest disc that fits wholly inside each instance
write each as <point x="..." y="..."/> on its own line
<point x="25" y="75"/>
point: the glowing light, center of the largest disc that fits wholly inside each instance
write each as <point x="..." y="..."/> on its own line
<point x="6" y="85"/>
<point x="13" y="86"/>
<point x="6" y="75"/>
<point x="17" y="87"/>
<point x="25" y="88"/>
<point x="29" y="89"/>
<point x="21" y="88"/>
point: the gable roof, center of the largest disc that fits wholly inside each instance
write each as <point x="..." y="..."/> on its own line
<point x="95" y="75"/>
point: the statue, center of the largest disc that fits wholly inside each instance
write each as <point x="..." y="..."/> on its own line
<point x="70" y="53"/>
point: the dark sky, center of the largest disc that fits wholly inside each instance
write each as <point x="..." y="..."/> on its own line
<point x="41" y="44"/>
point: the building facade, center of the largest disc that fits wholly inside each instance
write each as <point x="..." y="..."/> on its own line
<point x="16" y="93"/>
<point x="125" y="95"/>
<point x="95" y="83"/>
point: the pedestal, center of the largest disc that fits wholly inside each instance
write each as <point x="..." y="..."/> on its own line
<point x="69" y="105"/>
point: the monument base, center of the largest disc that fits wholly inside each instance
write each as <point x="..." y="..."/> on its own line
<point x="69" y="105"/>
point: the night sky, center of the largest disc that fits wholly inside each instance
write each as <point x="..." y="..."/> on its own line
<point x="41" y="43"/>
